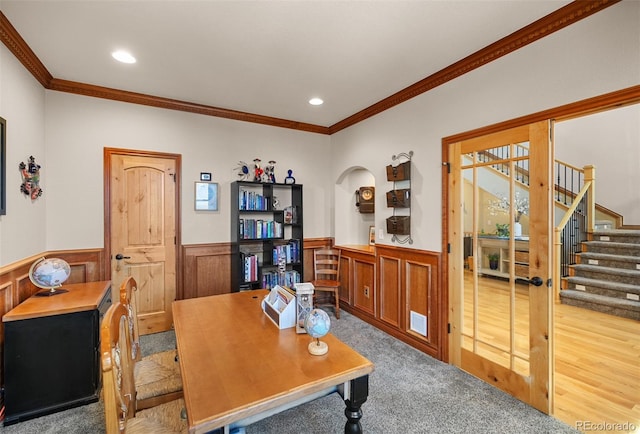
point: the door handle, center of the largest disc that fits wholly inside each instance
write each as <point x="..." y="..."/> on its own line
<point x="119" y="257"/>
<point x="535" y="281"/>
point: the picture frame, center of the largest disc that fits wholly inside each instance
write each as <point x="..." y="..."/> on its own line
<point x="372" y="235"/>
<point x="205" y="176"/>
<point x="3" y="167"/>
<point x="206" y="196"/>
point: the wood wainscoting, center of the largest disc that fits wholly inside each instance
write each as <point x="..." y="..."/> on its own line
<point x="397" y="290"/>
<point x="205" y="267"/>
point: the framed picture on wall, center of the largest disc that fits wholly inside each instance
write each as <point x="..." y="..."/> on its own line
<point x="372" y="235"/>
<point x="205" y="176"/>
<point x="3" y="167"/>
<point x="206" y="196"/>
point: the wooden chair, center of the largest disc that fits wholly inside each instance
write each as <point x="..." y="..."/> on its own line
<point x="119" y="391"/>
<point x="327" y="278"/>
<point x="157" y="376"/>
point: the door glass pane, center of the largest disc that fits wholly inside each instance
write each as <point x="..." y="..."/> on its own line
<point x="496" y="223"/>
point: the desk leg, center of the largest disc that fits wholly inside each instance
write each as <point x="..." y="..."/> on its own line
<point x="358" y="393"/>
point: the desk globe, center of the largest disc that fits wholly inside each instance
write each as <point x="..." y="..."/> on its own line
<point x="317" y="325"/>
<point x="49" y="274"/>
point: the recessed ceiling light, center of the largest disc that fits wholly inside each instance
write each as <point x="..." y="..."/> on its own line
<point x="315" y="101"/>
<point x="123" y="56"/>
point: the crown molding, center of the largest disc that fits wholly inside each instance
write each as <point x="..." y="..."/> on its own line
<point x="173" y="104"/>
<point x="557" y="20"/>
<point x="14" y="42"/>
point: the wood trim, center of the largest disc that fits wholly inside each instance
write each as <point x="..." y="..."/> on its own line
<point x="174" y="104"/>
<point x="14" y="42"/>
<point x="557" y="20"/>
<point x="619" y="98"/>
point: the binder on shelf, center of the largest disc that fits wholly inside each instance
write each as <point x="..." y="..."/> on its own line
<point x="280" y="306"/>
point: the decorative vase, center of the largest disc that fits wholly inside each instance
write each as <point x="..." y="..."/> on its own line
<point x="493" y="264"/>
<point x="517" y="229"/>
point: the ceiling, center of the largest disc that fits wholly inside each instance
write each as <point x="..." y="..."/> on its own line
<point x="265" y="57"/>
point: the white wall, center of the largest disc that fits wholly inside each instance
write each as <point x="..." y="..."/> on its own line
<point x="597" y="55"/>
<point x="352" y="227"/>
<point x="611" y="142"/>
<point x="78" y="128"/>
<point x="22" y="229"/>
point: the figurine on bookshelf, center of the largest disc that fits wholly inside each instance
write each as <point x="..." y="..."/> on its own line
<point x="257" y="170"/>
<point x="289" y="179"/>
<point x="242" y="171"/>
<point x="269" y="171"/>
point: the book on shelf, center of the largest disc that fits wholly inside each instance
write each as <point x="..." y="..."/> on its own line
<point x="260" y="229"/>
<point x="290" y="252"/>
<point x="252" y="201"/>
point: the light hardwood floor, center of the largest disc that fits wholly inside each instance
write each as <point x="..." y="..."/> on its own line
<point x="597" y="358"/>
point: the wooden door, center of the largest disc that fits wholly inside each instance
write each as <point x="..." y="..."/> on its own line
<point x="143" y="231"/>
<point x="500" y="313"/>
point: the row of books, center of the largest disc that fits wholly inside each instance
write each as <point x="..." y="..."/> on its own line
<point x="252" y="201"/>
<point x="258" y="229"/>
<point x="250" y="263"/>
<point x="288" y="278"/>
<point x="288" y="253"/>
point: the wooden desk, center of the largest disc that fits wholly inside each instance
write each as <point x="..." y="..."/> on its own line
<point x="238" y="368"/>
<point x="52" y="351"/>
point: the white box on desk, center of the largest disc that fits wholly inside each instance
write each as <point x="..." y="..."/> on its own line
<point x="280" y="307"/>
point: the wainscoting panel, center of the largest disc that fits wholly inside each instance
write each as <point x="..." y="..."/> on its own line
<point x="410" y="301"/>
<point x="390" y="287"/>
<point x="364" y="274"/>
<point x="206" y="269"/>
<point x="420" y="292"/>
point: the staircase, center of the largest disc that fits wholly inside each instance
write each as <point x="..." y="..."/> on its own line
<point x="606" y="277"/>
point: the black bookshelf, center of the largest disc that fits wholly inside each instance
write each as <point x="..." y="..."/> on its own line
<point x="266" y="234"/>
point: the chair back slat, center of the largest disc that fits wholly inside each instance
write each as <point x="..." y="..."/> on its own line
<point x="129" y="299"/>
<point x="326" y="264"/>
<point x="119" y="391"/>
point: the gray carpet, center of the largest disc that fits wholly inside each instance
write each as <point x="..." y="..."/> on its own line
<point x="409" y="392"/>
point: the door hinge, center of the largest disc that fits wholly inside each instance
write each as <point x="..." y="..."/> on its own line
<point x="549" y="283"/>
<point x="448" y="247"/>
<point x="446" y="163"/>
<point x="175" y="240"/>
<point x="449" y="328"/>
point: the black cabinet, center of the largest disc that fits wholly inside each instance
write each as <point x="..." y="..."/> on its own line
<point x="266" y="235"/>
<point x="52" y="351"/>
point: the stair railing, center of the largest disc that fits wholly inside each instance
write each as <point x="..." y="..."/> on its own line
<point x="573" y="227"/>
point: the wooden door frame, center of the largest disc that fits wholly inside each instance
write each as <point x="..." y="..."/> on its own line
<point x="107" y="154"/>
<point x="628" y="96"/>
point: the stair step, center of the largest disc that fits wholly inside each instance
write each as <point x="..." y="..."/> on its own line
<point x="609" y="260"/>
<point x="608" y="288"/>
<point x="614" y="306"/>
<point x="618" y="275"/>
<point x="617" y="235"/>
<point x="611" y="247"/>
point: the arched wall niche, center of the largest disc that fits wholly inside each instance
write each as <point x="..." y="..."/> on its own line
<point x="351" y="226"/>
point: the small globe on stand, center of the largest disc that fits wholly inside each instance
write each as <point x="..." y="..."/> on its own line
<point x="317" y="325"/>
<point x="49" y="274"/>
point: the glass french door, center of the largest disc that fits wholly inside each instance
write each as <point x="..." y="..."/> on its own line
<point x="500" y="216"/>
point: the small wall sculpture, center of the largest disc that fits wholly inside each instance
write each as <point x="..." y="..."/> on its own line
<point x="30" y="178"/>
